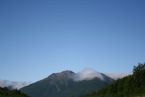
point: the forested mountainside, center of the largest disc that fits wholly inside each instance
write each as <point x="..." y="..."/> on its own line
<point x="130" y="86"/>
<point x="5" y="92"/>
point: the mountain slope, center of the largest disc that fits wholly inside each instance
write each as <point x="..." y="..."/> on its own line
<point x="130" y="86"/>
<point x="64" y="85"/>
<point x="4" y="92"/>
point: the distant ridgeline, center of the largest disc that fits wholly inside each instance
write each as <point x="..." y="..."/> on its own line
<point x="5" y="92"/>
<point x="130" y="86"/>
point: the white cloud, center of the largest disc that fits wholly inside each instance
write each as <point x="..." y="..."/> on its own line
<point x="116" y="76"/>
<point x="12" y="84"/>
<point x="88" y="74"/>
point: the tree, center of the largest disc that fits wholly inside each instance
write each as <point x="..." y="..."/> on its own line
<point x="130" y="86"/>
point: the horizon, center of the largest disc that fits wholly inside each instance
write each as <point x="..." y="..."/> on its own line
<point x="113" y="75"/>
<point x="38" y="38"/>
<point x="85" y="74"/>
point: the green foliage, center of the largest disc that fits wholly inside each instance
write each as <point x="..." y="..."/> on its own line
<point x="130" y="86"/>
<point x="5" y="92"/>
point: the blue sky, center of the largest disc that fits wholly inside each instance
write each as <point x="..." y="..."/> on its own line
<point x="39" y="37"/>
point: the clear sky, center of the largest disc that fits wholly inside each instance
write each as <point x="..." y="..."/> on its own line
<point x="39" y="37"/>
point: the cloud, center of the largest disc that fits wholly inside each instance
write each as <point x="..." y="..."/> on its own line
<point x="88" y="74"/>
<point x="12" y="84"/>
<point x="116" y="76"/>
<point x="2" y="83"/>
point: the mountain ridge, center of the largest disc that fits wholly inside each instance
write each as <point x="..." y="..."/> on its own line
<point x="64" y="84"/>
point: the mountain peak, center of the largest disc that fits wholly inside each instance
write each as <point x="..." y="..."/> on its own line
<point x="63" y="84"/>
<point x="67" y="74"/>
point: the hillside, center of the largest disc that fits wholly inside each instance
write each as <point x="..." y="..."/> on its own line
<point x="63" y="85"/>
<point x="130" y="86"/>
<point x="4" y="92"/>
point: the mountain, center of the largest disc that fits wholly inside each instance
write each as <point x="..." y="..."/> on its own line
<point x="130" y="86"/>
<point x="13" y="84"/>
<point x="68" y="84"/>
<point x="5" y="92"/>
